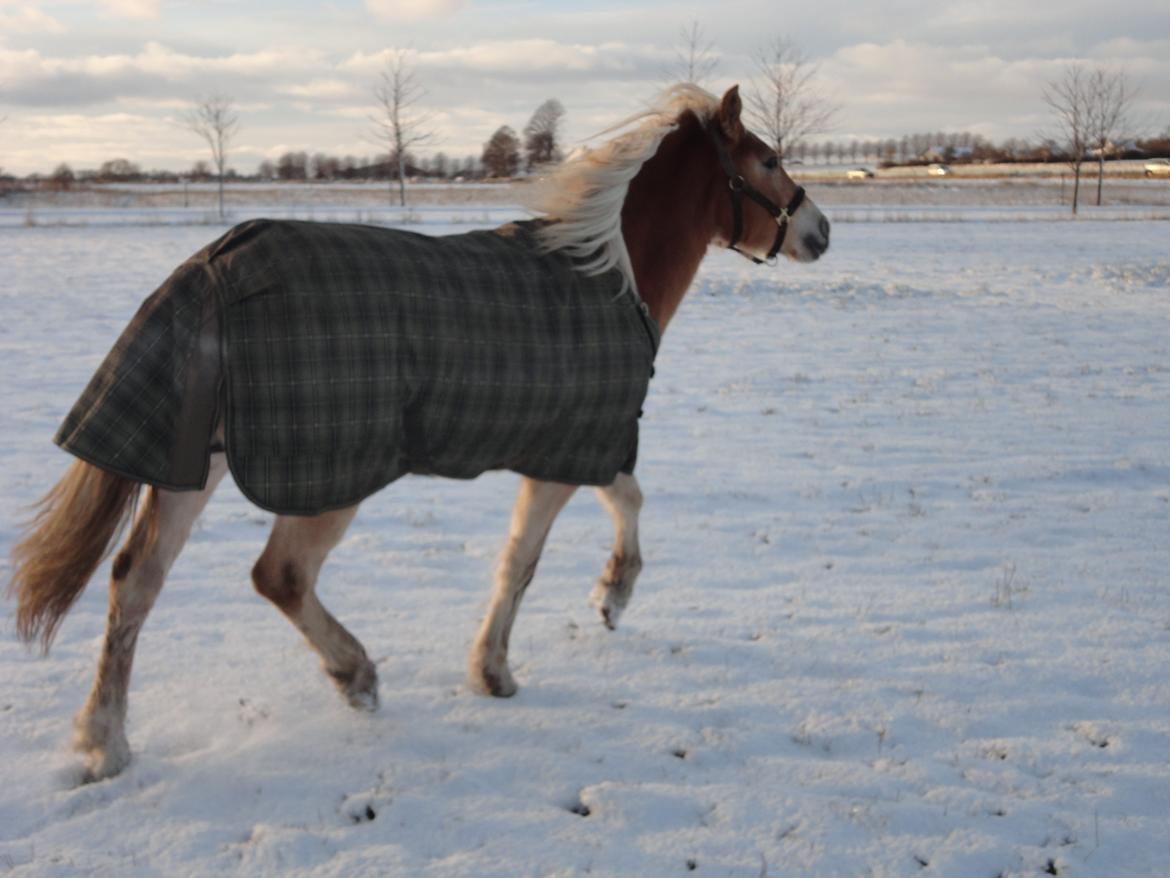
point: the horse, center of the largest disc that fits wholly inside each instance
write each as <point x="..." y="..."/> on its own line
<point x="633" y="216"/>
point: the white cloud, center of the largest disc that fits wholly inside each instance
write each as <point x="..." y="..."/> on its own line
<point x="901" y="86"/>
<point x="525" y="57"/>
<point x="321" y="90"/>
<point x="85" y="140"/>
<point x="532" y="55"/>
<point x="27" y="19"/>
<point x="353" y="112"/>
<point x="156" y="71"/>
<point x="413" y="10"/>
<point x="141" y="9"/>
<point x="154" y="104"/>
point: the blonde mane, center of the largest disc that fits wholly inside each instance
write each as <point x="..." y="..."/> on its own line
<point x="584" y="196"/>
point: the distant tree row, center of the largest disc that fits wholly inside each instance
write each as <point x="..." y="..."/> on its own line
<point x="504" y="156"/>
<point x="113" y="171"/>
<point x="321" y="167"/>
<point x="291" y="166"/>
<point x="954" y="148"/>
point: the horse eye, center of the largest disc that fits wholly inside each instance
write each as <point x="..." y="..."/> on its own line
<point x="771" y="162"/>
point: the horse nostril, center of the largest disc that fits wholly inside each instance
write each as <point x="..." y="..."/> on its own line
<point x="824" y="228"/>
<point x="814" y="245"/>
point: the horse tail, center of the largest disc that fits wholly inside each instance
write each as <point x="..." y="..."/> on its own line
<point x="69" y="535"/>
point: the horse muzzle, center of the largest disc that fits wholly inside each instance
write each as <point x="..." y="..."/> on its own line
<point x="812" y="233"/>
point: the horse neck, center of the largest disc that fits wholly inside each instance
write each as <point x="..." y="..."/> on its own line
<point x="669" y="217"/>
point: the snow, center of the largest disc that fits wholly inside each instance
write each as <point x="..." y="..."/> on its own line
<point x="904" y="608"/>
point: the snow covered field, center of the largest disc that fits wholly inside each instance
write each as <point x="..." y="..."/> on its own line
<point x="904" y="609"/>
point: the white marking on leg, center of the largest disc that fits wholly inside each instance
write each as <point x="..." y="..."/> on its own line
<point x="161" y="528"/>
<point x="537" y="506"/>
<point x="623" y="501"/>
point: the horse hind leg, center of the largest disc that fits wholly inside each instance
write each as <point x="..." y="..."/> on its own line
<point x="623" y="501"/>
<point x="537" y="506"/>
<point x="287" y="573"/>
<point x="137" y="574"/>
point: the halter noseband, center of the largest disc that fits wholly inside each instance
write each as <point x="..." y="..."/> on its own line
<point x="739" y="188"/>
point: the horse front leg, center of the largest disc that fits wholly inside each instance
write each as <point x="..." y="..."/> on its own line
<point x="623" y="501"/>
<point x="161" y="528"/>
<point x="537" y="506"/>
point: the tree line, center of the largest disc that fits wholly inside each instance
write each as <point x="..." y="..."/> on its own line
<point x="302" y="166"/>
<point x="504" y="154"/>
<point x="960" y="147"/>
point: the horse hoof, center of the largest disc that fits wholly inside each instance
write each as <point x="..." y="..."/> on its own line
<point x="105" y="762"/>
<point x="363" y="701"/>
<point x="497" y="683"/>
<point x="359" y="686"/>
<point x="607" y="608"/>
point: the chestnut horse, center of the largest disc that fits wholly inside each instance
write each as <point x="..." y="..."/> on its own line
<point x="647" y="203"/>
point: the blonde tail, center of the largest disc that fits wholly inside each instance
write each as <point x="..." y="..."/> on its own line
<point x="71" y="533"/>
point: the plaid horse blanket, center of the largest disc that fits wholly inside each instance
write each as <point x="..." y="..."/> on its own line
<point x="341" y="357"/>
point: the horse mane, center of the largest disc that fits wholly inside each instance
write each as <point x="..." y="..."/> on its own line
<point x="584" y="197"/>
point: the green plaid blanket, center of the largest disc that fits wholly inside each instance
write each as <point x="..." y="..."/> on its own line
<point x="340" y="357"/>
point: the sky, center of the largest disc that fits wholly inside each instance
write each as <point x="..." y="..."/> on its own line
<point x="84" y="82"/>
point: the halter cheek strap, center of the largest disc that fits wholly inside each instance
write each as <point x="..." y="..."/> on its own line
<point x="740" y="187"/>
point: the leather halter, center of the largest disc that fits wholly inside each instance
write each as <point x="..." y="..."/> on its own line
<point x="739" y="188"/>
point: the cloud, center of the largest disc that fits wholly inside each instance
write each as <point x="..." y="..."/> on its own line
<point x="321" y="90"/>
<point x="916" y="87"/>
<point x="525" y="58"/>
<point x="158" y="71"/>
<point x="141" y="9"/>
<point x="413" y="10"/>
<point x="532" y="56"/>
<point x="85" y="140"/>
<point x="27" y="19"/>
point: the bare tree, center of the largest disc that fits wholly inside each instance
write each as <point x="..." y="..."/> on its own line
<point x="1110" y="99"/>
<point x="1068" y="98"/>
<point x="695" y="57"/>
<point x="785" y="102"/>
<point x="542" y="134"/>
<point x="215" y="120"/>
<point x="398" y="122"/>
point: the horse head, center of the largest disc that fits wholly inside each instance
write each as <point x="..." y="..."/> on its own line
<point x="766" y="213"/>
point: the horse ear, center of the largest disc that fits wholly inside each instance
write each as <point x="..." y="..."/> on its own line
<point x="729" y="113"/>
